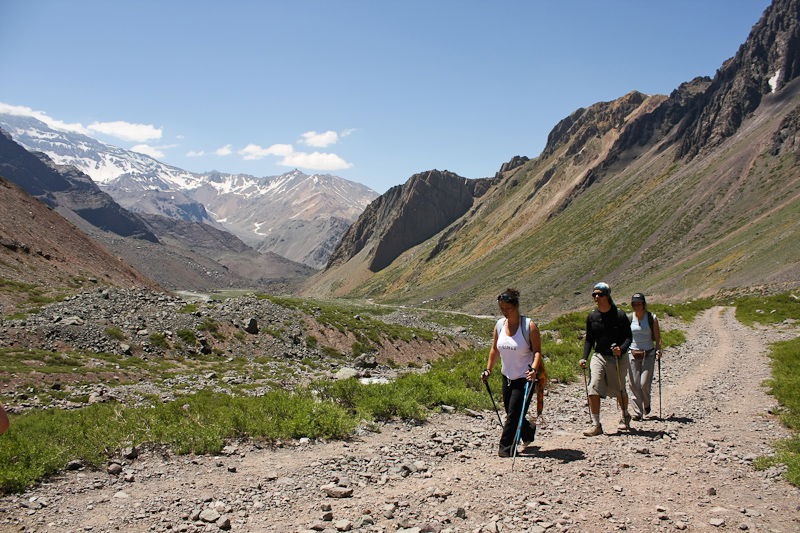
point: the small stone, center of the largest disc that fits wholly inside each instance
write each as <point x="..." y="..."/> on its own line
<point x="129" y="478"/>
<point x="328" y="516"/>
<point x="224" y="523"/>
<point x="333" y="491"/>
<point x="114" y="469"/>
<point x="131" y="452"/>
<point x="343" y="525"/>
<point x="461" y="513"/>
<point x="209" y="515"/>
<point x="606" y="514"/>
<point x="744" y="527"/>
<point x="74" y="465"/>
<point x="717" y="522"/>
<point x="122" y="495"/>
<point x="712" y="491"/>
<point x="232" y="469"/>
<point x="680" y="525"/>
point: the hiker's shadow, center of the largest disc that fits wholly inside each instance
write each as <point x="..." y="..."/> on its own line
<point x="673" y="418"/>
<point x="565" y="455"/>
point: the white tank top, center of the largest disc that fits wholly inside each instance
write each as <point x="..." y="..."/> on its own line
<point x="515" y="353"/>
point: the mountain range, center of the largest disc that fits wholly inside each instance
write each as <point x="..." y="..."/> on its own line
<point x="174" y="253"/>
<point x="681" y="195"/>
<point x="307" y="211"/>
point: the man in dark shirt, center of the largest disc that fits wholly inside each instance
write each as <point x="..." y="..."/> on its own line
<point x="608" y="332"/>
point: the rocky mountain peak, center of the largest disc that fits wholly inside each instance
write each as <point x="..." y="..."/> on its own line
<point x="764" y="64"/>
<point x="407" y="215"/>
<point x="587" y="123"/>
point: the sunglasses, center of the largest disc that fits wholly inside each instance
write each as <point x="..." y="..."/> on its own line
<point x="596" y="294"/>
<point x="506" y="298"/>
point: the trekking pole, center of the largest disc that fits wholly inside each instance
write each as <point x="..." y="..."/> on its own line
<point x="659" y="389"/>
<point x="586" y="386"/>
<point x="521" y="418"/>
<point x="499" y="420"/>
<point x="619" y="379"/>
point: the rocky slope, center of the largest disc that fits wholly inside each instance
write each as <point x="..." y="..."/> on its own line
<point x="679" y="195"/>
<point x="253" y="267"/>
<point x="41" y="254"/>
<point x="400" y="219"/>
<point x="67" y="189"/>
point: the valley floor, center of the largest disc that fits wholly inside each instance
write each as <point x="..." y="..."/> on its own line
<point x="690" y="471"/>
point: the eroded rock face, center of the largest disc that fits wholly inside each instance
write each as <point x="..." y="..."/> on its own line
<point x="764" y="64"/>
<point x="407" y="215"/>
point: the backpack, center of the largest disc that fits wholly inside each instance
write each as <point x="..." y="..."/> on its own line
<point x="649" y="321"/>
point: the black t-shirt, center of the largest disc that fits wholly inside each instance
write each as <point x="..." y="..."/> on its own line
<point x="604" y="329"/>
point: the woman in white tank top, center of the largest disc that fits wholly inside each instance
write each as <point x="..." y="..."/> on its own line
<point x="522" y="360"/>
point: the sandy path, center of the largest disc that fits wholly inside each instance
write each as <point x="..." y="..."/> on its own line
<point x="689" y="471"/>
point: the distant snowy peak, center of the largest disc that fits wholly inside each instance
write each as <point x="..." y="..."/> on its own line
<point x="106" y="164"/>
<point x="131" y="172"/>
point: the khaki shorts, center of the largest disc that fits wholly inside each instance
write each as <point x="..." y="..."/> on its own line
<point x="604" y="375"/>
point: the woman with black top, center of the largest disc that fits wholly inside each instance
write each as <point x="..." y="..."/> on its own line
<point x="522" y="361"/>
<point x="608" y="333"/>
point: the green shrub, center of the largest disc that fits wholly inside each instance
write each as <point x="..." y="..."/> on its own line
<point x="209" y="324"/>
<point x="159" y="341"/>
<point x="187" y="336"/>
<point x="115" y="333"/>
<point x="311" y="341"/>
<point x="188" y="308"/>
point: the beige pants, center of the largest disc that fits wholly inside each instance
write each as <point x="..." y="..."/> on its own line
<point x="607" y="380"/>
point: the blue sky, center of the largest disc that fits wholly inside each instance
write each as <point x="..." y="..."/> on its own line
<point x="372" y="91"/>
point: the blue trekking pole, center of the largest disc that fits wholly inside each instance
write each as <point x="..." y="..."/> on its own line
<point x="521" y="418"/>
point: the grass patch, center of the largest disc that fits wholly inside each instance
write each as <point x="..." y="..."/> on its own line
<point x="785" y="386"/>
<point x="685" y="311"/>
<point x="353" y="318"/>
<point x="41" y="443"/>
<point x="187" y="336"/>
<point x="480" y="327"/>
<point x="159" y="341"/>
<point x="672" y="337"/>
<point x="115" y="333"/>
<point x="188" y="308"/>
<point x="767" y="309"/>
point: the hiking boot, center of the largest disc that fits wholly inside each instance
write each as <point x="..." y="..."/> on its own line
<point x="637" y="418"/>
<point x="596" y="429"/>
<point x="646" y="410"/>
<point x="503" y="453"/>
<point x="625" y="422"/>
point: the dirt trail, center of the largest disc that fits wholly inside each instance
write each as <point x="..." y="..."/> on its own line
<point x="689" y="471"/>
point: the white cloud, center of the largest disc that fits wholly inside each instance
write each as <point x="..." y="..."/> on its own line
<point x="152" y="151"/>
<point x="127" y="131"/>
<point x="320" y="140"/>
<point x="192" y="153"/>
<point x="315" y="161"/>
<point x="254" y="151"/>
<point x="23" y="111"/>
<point x="326" y="138"/>
<point x="225" y="150"/>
